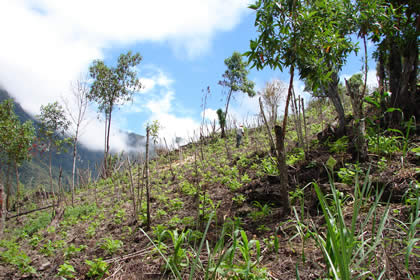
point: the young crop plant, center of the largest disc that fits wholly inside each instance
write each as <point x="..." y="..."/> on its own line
<point x="269" y="167"/>
<point x="340" y="146"/>
<point x="72" y="250"/>
<point x="180" y="257"/>
<point x="66" y="271"/>
<point x="348" y="174"/>
<point x="264" y="210"/>
<point x="119" y="216"/>
<point x="346" y="249"/>
<point x="97" y="268"/>
<point x="239" y="199"/>
<point x="12" y="254"/>
<point x="295" y="156"/>
<point x="250" y="255"/>
<point x="110" y="246"/>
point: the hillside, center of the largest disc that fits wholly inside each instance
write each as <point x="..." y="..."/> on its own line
<point x="34" y="174"/>
<point x="215" y="214"/>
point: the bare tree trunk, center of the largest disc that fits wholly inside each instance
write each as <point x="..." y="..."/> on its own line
<point x="147" y="177"/>
<point x="17" y="189"/>
<point x="132" y="190"/>
<point x="60" y="188"/>
<point x="296" y="111"/>
<point x="8" y="188"/>
<point x="2" y="210"/>
<point x="332" y="93"/>
<point x="73" y="170"/>
<point x="50" y="170"/>
<point x="306" y="127"/>
<point x="282" y="167"/>
<point x="270" y="137"/>
<point x="107" y="169"/>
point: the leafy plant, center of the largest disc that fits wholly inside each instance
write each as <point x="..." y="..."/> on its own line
<point x="66" y="271"/>
<point x="247" y="267"/>
<point x="110" y="245"/>
<point x="179" y="257"/>
<point x="347" y="174"/>
<point x="72" y="250"/>
<point x="264" y="210"/>
<point x="239" y="199"/>
<point x="340" y="146"/>
<point x="296" y="155"/>
<point x="97" y="268"/>
<point x="269" y="166"/>
<point x="345" y="249"/>
<point x="13" y="255"/>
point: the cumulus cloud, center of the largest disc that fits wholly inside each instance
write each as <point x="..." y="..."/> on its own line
<point x="209" y="114"/>
<point x="173" y="123"/>
<point x="372" y="81"/>
<point x="48" y="43"/>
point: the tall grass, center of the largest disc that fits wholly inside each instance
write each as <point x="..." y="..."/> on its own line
<point x="348" y="249"/>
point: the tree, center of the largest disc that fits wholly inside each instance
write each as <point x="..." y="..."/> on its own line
<point x="355" y="90"/>
<point x="311" y="36"/>
<point x="394" y="26"/>
<point x="152" y="130"/>
<point x="235" y="79"/>
<point x="15" y="142"/>
<point x="272" y="94"/>
<point x="79" y="102"/>
<point x="53" y="126"/>
<point x="113" y="86"/>
<point x="222" y="121"/>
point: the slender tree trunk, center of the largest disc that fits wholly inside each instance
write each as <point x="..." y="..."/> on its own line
<point x="304" y="124"/>
<point x="147" y="177"/>
<point x="17" y="188"/>
<point x="132" y="190"/>
<point x="332" y="93"/>
<point x="50" y="170"/>
<point x="282" y="167"/>
<point x="223" y="126"/>
<point x="8" y="188"/>
<point x="2" y="210"/>
<point x="74" y="168"/>
<point x="296" y="111"/>
<point x="60" y="195"/>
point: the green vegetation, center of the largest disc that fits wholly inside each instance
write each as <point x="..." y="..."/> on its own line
<point x="279" y="206"/>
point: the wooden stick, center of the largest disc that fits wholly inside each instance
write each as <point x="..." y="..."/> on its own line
<point x="30" y="211"/>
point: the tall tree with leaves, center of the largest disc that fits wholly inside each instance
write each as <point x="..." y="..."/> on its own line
<point x="311" y="36"/>
<point x="53" y="126"/>
<point x="113" y="86"/>
<point x="76" y="110"/>
<point x="235" y="79"/>
<point x="394" y="26"/>
<point x="15" y="141"/>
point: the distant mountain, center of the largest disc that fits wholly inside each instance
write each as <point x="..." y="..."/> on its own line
<point x="35" y="173"/>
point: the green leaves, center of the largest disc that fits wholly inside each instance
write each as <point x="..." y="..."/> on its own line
<point x="235" y="77"/>
<point x="114" y="85"/>
<point x="53" y="126"/>
<point x="15" y="138"/>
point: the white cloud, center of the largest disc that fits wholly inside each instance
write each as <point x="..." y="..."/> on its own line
<point x="372" y="81"/>
<point x="48" y="43"/>
<point x="160" y="108"/>
<point x="209" y="114"/>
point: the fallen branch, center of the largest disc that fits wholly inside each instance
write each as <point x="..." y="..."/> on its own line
<point x="30" y="211"/>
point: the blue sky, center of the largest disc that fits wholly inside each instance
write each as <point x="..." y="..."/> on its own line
<point x="183" y="44"/>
